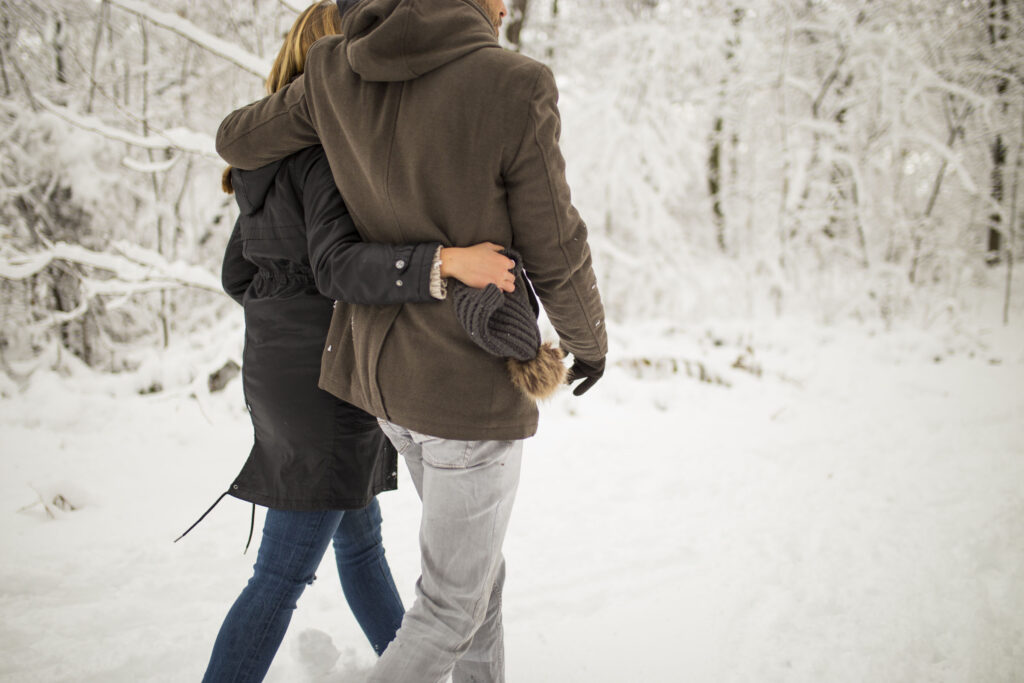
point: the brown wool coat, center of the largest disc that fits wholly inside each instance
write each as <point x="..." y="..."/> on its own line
<point x="434" y="133"/>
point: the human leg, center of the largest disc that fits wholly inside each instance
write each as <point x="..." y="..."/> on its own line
<point x="366" y="577"/>
<point x="292" y="546"/>
<point x="467" y="489"/>
<point x="484" y="660"/>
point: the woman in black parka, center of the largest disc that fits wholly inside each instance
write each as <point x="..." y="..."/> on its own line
<point x="317" y="462"/>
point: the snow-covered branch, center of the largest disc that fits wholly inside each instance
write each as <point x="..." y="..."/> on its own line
<point x="952" y="158"/>
<point x="134" y="269"/>
<point x="150" y="166"/>
<point x="218" y="46"/>
<point x="175" y="138"/>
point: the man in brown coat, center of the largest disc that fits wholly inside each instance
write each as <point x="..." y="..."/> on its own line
<point x="435" y="133"/>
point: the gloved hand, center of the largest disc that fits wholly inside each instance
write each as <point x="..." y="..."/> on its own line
<point x="588" y="370"/>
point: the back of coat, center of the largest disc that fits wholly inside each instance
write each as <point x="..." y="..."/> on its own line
<point x="310" y="451"/>
<point x="434" y="132"/>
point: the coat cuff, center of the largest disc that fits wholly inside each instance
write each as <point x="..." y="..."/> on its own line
<point x="419" y="269"/>
<point x="438" y="284"/>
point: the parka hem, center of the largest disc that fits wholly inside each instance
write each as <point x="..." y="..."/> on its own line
<point x="304" y="505"/>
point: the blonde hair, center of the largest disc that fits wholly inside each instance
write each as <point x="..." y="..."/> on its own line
<point x="316" y="21"/>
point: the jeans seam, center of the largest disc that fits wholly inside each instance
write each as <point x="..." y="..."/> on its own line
<point x="394" y="589"/>
<point x="250" y="659"/>
<point x="259" y="644"/>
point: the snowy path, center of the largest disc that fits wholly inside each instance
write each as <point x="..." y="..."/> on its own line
<point x="863" y="521"/>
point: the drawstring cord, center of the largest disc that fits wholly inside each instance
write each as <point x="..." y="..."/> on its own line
<point x="252" y="525"/>
<point x="202" y="517"/>
<point x="252" y="522"/>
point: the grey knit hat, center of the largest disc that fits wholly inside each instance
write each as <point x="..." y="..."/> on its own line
<point x="505" y="324"/>
<point x="501" y="323"/>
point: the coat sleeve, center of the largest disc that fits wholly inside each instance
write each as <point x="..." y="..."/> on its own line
<point x="346" y="268"/>
<point x="236" y="273"/>
<point x="549" y="233"/>
<point x="268" y="130"/>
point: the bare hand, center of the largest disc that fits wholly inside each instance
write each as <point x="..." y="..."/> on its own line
<point x="478" y="266"/>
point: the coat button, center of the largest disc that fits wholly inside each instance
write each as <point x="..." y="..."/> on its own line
<point x="398" y="283"/>
<point x="330" y="346"/>
<point x="399" y="263"/>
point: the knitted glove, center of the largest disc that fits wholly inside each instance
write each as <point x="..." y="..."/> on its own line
<point x="588" y="370"/>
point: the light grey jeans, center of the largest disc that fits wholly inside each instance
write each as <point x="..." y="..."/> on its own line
<point x="454" y="627"/>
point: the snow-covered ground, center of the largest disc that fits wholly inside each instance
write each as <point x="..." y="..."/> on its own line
<point x="853" y="513"/>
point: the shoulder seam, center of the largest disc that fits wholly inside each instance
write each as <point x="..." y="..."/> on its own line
<point x="528" y="115"/>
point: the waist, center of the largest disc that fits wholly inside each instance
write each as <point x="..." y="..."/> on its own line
<point x="268" y="284"/>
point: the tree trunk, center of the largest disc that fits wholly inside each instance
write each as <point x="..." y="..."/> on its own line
<point x="102" y="16"/>
<point x="715" y="183"/>
<point x="5" y="48"/>
<point x="784" y="133"/>
<point x="955" y="121"/>
<point x="164" y="324"/>
<point x="998" y="32"/>
<point x="550" y="52"/>
<point x="3" y="70"/>
<point x="1013" y="223"/>
<point x="58" y="50"/>
<point x="514" y="27"/>
<point x="715" y="143"/>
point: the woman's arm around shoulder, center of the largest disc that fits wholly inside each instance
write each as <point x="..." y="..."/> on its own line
<point x="348" y="269"/>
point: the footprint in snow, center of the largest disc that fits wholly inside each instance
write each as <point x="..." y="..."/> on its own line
<point x="317" y="654"/>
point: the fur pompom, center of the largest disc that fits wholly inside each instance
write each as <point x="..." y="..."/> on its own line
<point x="541" y="376"/>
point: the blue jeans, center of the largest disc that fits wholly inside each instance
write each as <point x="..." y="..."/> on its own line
<point x="292" y="547"/>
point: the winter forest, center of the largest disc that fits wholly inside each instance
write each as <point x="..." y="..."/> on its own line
<point x="805" y="462"/>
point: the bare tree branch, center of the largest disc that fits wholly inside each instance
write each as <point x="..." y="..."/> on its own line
<point x="174" y="138"/>
<point x="218" y="46"/>
<point x="135" y="269"/>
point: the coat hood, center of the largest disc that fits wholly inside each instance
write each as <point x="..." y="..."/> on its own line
<point x="251" y="187"/>
<point x="399" y="40"/>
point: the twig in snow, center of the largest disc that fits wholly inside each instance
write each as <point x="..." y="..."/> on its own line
<point x="40" y="501"/>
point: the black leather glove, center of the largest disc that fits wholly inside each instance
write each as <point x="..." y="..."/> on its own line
<point x="588" y="370"/>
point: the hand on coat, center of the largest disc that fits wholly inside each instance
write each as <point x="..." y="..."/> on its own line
<point x="588" y="370"/>
<point x="478" y="266"/>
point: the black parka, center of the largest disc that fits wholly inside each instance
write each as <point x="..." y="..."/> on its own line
<point x="293" y="249"/>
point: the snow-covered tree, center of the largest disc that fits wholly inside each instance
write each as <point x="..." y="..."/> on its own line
<point x="851" y="158"/>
